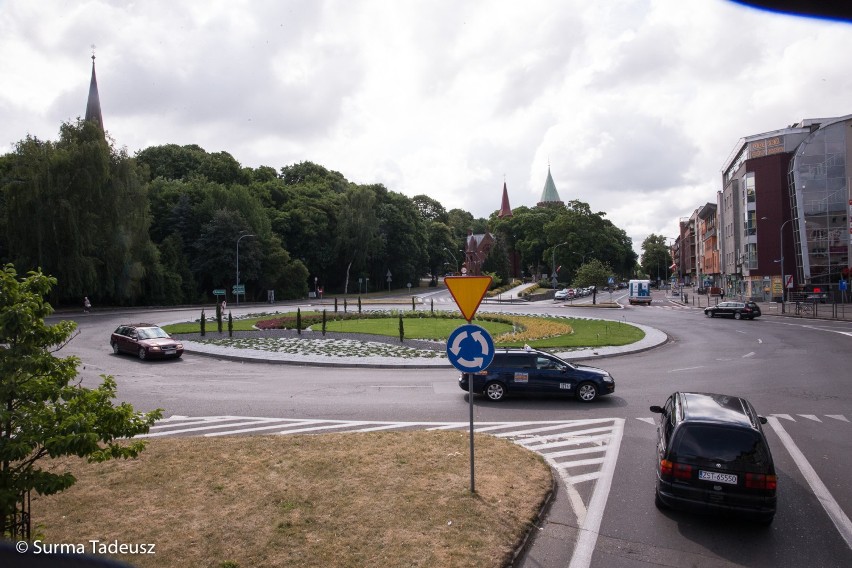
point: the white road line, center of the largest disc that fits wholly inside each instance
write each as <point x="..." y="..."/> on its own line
<point x="835" y="513"/>
<point x="211" y="426"/>
<point x="838" y="417"/>
<point x="648" y="420"/>
<point x="784" y="416"/>
<point x="810" y="417"/>
<point x="686" y="369"/>
<point x="750" y="354"/>
<point x="591" y="525"/>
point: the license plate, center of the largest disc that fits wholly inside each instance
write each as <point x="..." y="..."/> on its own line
<point x="717" y="477"/>
<point x="170" y="351"/>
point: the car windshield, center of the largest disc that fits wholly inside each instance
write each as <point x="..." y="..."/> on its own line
<point x="151" y="333"/>
<point x="728" y="445"/>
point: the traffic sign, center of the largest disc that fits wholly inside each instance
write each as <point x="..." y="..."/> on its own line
<point x="238" y="289"/>
<point x="219" y="292"/>
<point x="470" y="348"/>
<point x="468" y="292"/>
<point x="788" y="281"/>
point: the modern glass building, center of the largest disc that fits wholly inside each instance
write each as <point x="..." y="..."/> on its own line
<point x="819" y="182"/>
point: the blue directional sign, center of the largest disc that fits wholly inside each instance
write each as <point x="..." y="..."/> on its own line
<point x="470" y="348"/>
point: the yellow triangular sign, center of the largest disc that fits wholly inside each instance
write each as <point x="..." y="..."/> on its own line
<point x="468" y="292"/>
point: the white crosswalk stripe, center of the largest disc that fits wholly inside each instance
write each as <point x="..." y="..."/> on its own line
<point x="789" y="417"/>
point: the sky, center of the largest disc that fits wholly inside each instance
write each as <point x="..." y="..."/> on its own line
<point x="634" y="105"/>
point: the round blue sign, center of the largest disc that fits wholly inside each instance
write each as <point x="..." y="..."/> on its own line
<point x="470" y="348"/>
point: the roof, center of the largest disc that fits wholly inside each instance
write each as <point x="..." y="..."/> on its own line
<point x="549" y="195"/>
<point x="93" y="105"/>
<point x="710" y="407"/>
<point x="505" y="209"/>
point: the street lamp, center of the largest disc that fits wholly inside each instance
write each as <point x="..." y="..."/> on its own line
<point x="454" y="259"/>
<point x="783" y="281"/>
<point x="553" y="261"/>
<point x="237" y="294"/>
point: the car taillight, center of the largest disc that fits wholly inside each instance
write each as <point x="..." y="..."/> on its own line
<point x="761" y="481"/>
<point x="676" y="470"/>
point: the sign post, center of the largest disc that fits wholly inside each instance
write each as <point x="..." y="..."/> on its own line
<point x="469" y="348"/>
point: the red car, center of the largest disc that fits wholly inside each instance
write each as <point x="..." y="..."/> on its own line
<point x="146" y="341"/>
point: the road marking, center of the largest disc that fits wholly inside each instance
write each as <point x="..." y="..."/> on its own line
<point x="648" y="420"/>
<point x="835" y="513"/>
<point x="589" y="530"/>
<point x="750" y="354"/>
<point x="784" y="416"/>
<point x="810" y="417"/>
<point x="686" y="369"/>
<point x="838" y="417"/>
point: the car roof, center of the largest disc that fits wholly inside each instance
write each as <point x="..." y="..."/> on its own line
<point x="717" y="408"/>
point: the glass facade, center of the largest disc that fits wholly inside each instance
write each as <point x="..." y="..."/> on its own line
<point x="820" y="197"/>
<point x="749" y="222"/>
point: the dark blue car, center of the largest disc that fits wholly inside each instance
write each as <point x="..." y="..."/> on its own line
<point x="535" y="372"/>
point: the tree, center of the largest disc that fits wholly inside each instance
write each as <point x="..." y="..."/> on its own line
<point x="656" y="258"/>
<point x="43" y="415"/>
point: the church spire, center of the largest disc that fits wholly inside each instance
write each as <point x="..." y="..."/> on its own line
<point x="505" y="209"/>
<point x="93" y="106"/>
<point x="549" y="196"/>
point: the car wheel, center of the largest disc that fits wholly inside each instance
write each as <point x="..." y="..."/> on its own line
<point x="495" y="391"/>
<point x="142" y="353"/>
<point x="708" y="314"/>
<point x="587" y="392"/>
<point x="115" y="348"/>
<point x="738" y="315"/>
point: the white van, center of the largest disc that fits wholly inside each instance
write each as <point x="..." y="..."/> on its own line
<point x="639" y="292"/>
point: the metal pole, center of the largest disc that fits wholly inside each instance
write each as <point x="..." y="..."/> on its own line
<point x="470" y="404"/>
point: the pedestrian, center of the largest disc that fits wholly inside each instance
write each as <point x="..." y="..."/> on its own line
<point x="723" y="294"/>
<point x="87" y="305"/>
<point x="224" y="304"/>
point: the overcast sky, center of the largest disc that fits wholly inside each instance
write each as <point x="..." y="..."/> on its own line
<point x="635" y="104"/>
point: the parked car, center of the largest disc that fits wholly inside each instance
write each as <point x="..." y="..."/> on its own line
<point x="561" y="294"/>
<point x="738" y="310"/>
<point x="712" y="455"/>
<point x="536" y="372"/>
<point x="817" y="297"/>
<point x="146" y="341"/>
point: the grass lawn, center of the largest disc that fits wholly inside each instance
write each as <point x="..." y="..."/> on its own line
<point x="373" y="499"/>
<point x="538" y="332"/>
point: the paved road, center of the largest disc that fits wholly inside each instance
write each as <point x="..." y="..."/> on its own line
<point x="795" y="370"/>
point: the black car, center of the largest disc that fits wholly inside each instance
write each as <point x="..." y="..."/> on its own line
<point x="738" y="310"/>
<point x="712" y="455"/>
<point x="145" y="340"/>
<point x="535" y="372"/>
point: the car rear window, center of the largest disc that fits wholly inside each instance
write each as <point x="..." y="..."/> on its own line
<point x="720" y="444"/>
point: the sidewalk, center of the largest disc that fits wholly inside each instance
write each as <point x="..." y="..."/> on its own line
<point x="808" y="310"/>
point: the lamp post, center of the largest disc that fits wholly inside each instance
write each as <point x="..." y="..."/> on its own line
<point x="553" y="262"/>
<point x="238" y="267"/>
<point x="454" y="259"/>
<point x="783" y="280"/>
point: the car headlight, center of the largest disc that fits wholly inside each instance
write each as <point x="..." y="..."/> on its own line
<point x="607" y="378"/>
<point x="154" y="348"/>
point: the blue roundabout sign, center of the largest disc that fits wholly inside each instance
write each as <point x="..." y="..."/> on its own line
<point x="470" y="348"/>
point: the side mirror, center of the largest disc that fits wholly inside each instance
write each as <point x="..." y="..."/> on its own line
<point x="762" y="419"/>
<point x="657" y="409"/>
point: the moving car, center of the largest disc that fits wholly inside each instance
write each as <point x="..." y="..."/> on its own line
<point x="738" y="310"/>
<point x="712" y="455"/>
<point x="145" y="340"/>
<point x="535" y="372"/>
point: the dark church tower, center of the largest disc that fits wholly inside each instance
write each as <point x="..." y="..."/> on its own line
<point x="505" y="209"/>
<point x="93" y="106"/>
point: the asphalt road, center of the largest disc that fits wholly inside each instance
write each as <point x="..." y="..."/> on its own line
<point x="796" y="370"/>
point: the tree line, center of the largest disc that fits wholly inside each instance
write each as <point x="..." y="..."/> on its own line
<point x="163" y="227"/>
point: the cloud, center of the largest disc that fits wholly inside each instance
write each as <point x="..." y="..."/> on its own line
<point x="635" y="104"/>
